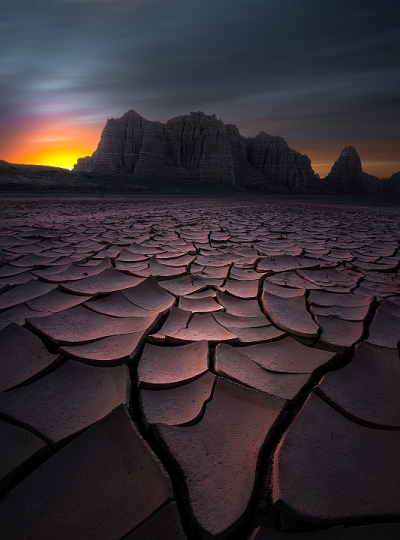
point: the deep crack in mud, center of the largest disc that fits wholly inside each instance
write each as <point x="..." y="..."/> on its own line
<point x="254" y="345"/>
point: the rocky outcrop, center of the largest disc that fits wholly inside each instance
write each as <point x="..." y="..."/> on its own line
<point x="273" y="157"/>
<point x="347" y="174"/>
<point x="195" y="154"/>
<point x="196" y="147"/>
<point x="119" y="147"/>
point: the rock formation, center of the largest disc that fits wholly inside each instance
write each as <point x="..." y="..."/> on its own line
<point x="346" y="173"/>
<point x="347" y="176"/>
<point x="197" y="154"/>
<point x="196" y="147"/>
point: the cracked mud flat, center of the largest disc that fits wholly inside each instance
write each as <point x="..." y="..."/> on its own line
<point x="198" y="369"/>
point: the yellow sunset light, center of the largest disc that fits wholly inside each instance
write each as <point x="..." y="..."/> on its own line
<point x="52" y="141"/>
<point x="64" y="157"/>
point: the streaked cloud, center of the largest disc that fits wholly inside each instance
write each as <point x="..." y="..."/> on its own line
<point x="306" y="70"/>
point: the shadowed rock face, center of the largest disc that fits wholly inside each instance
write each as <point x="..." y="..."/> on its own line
<point x="347" y="172"/>
<point x="196" y="154"/>
<point x="195" y="147"/>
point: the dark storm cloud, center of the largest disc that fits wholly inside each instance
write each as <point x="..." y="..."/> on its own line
<point x="305" y="69"/>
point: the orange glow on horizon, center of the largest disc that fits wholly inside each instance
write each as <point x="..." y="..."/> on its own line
<point x="378" y="158"/>
<point x="51" y="141"/>
<point x="59" y="141"/>
<point x="63" y="157"/>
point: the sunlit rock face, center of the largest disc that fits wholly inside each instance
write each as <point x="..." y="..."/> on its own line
<point x="196" y="147"/>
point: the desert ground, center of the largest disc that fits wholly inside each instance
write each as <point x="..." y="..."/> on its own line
<point x="198" y="368"/>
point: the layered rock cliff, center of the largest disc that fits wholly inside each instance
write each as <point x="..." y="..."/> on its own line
<point x="196" y="147"/>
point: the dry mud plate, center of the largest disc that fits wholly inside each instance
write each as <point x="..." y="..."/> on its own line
<point x="206" y="369"/>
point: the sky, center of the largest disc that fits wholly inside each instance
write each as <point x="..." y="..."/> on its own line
<point x="323" y="74"/>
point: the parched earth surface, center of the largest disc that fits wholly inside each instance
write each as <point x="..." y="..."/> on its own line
<point x="175" y="369"/>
